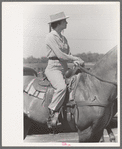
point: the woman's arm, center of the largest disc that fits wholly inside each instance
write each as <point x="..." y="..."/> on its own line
<point x="54" y="46"/>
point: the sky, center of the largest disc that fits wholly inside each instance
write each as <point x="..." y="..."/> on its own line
<point x="92" y="26"/>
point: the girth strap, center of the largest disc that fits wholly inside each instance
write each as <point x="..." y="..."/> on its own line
<point x="89" y="103"/>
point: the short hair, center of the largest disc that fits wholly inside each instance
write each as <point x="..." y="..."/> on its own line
<point x="55" y="24"/>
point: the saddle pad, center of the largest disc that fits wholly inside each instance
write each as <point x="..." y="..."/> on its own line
<point x="37" y="88"/>
<point x="41" y="84"/>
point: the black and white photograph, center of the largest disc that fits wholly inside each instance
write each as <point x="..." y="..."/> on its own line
<point x="61" y="74"/>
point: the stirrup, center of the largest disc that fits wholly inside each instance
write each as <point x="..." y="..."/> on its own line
<point x="53" y="119"/>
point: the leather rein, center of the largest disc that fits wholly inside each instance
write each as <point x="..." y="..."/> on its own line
<point x="96" y="102"/>
<point x="86" y="71"/>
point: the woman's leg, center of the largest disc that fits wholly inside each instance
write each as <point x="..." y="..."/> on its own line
<point x="58" y="82"/>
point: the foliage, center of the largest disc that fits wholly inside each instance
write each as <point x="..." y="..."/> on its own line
<point x="32" y="59"/>
<point x="87" y="57"/>
<point x="90" y="57"/>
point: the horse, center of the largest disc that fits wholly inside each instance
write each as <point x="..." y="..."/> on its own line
<point x="90" y="111"/>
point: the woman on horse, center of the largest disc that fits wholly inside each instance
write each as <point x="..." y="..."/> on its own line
<point x="58" y="53"/>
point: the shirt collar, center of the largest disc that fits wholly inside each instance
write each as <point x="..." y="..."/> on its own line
<point x="56" y="34"/>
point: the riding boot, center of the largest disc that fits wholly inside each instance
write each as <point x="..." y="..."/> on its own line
<point x="53" y="118"/>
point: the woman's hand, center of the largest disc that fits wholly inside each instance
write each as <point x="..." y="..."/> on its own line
<point x="79" y="62"/>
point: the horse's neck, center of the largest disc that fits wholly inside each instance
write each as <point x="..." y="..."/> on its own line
<point x="89" y="86"/>
<point x="106" y="68"/>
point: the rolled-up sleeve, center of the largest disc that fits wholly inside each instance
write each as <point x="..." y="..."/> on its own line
<point x="52" y="43"/>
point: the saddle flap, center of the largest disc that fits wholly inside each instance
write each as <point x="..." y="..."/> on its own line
<point x="72" y="85"/>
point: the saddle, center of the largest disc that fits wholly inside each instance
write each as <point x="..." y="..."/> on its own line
<point x="38" y="86"/>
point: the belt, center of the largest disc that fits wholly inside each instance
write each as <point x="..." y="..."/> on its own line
<point x="53" y="58"/>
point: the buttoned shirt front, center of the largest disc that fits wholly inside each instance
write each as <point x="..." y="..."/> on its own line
<point x="58" y="47"/>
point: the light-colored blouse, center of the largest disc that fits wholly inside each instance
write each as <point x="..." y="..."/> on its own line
<point x="58" y="47"/>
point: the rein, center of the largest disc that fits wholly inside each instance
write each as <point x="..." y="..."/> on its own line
<point x="86" y="71"/>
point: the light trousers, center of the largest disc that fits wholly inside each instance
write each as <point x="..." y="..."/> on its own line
<point x="55" y="74"/>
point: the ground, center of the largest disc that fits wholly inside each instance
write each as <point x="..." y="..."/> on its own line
<point x="62" y="137"/>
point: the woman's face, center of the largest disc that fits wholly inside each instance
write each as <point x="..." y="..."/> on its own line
<point x="63" y="24"/>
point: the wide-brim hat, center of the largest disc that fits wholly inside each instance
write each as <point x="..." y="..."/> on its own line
<point x="57" y="17"/>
